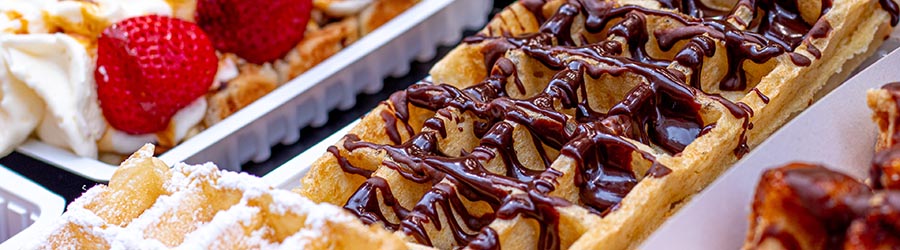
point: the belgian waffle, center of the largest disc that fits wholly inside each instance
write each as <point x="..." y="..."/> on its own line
<point x="804" y="206"/>
<point x="147" y="205"/>
<point x="329" y="33"/>
<point x="336" y="25"/>
<point x="583" y="124"/>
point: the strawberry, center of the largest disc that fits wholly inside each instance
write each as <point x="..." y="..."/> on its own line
<point x="148" y="68"/>
<point x="258" y="31"/>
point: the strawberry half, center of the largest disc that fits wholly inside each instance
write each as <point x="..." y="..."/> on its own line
<point x="148" y="68"/>
<point x="257" y="31"/>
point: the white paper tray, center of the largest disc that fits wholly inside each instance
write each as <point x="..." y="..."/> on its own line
<point x="837" y="131"/>
<point x="25" y="207"/>
<point x="305" y="101"/>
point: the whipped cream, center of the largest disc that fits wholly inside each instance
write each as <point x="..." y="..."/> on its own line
<point x="117" y="10"/>
<point x="46" y="80"/>
<point x="58" y="70"/>
<point x="184" y="120"/>
<point x="342" y="7"/>
<point x="18" y="104"/>
<point x="23" y="16"/>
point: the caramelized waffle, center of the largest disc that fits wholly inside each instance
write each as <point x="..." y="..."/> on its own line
<point x="147" y="205"/>
<point x="804" y="206"/>
<point x="583" y="124"/>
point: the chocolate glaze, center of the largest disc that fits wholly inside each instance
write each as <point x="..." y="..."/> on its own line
<point x="818" y="206"/>
<point x="694" y="8"/>
<point x="487" y="239"/>
<point x="761" y="96"/>
<point x="820" y="29"/>
<point x="658" y="171"/>
<point x="661" y="112"/>
<point x="800" y="60"/>
<point x="345" y="164"/>
<point x="891" y="7"/>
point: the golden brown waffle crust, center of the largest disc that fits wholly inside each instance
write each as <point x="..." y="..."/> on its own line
<point x="856" y="30"/>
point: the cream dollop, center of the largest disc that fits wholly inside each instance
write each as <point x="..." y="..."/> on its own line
<point x="58" y="70"/>
<point x="184" y="120"/>
<point x="18" y="108"/>
<point x="342" y="7"/>
<point x="117" y="10"/>
<point x="46" y="80"/>
<point x="23" y="16"/>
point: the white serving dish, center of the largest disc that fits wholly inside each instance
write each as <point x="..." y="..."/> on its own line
<point x="837" y="131"/>
<point x="25" y="207"/>
<point x="306" y="100"/>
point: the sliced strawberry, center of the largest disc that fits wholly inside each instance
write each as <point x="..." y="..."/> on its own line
<point x="148" y="68"/>
<point x="256" y="31"/>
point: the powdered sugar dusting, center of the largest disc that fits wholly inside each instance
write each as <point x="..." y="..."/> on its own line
<point x="91" y="194"/>
<point x="250" y="186"/>
<point x="207" y="234"/>
<point x="186" y="183"/>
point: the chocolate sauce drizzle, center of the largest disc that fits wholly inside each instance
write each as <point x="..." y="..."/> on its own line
<point x="661" y="112"/>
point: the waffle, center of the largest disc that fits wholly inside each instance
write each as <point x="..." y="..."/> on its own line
<point x="330" y="33"/>
<point x="147" y="205"/>
<point x="334" y="26"/>
<point x="805" y="206"/>
<point x="583" y="124"/>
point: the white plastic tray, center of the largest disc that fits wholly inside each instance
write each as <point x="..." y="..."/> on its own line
<point x="837" y="131"/>
<point x="25" y="207"/>
<point x="305" y="101"/>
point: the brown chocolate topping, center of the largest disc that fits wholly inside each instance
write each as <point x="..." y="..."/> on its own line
<point x="662" y="112"/>
<point x="824" y="203"/>
<point x="658" y="171"/>
<point x="891" y="7"/>
<point x="761" y="96"/>
<point x="820" y="29"/>
<point x="345" y="164"/>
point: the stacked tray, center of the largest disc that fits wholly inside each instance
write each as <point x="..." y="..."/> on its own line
<point x="25" y="207"/>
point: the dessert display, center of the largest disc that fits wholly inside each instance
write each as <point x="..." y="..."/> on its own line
<point x="102" y="78"/>
<point x="808" y="206"/>
<point x="584" y="124"/>
<point x="148" y="205"/>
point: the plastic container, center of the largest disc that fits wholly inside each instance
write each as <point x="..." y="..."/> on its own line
<point x="25" y="208"/>
<point x="306" y="100"/>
